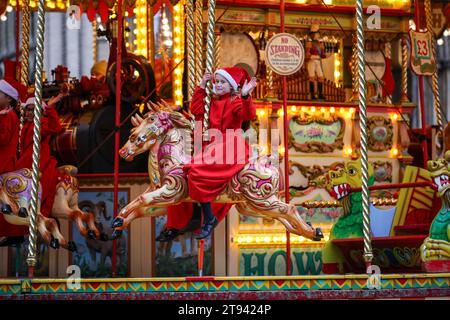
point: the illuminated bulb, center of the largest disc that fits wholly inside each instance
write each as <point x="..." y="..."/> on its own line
<point x="177" y="71"/>
<point x="337" y="63"/>
<point x="126" y="13"/>
<point x="293" y="108"/>
<point x="266" y="239"/>
<point x="261" y="113"/>
<point x="337" y="74"/>
<point x="135" y="42"/>
<point x="352" y="110"/>
<point x="176" y="8"/>
<point x="178" y="92"/>
<point x="280" y="113"/>
<point x="440" y="41"/>
<point x="135" y="31"/>
<point x="394" y="151"/>
<point x="332" y="110"/>
<point x="303" y="109"/>
<point x="322" y="109"/>
<point x="394" y="116"/>
<point x="349" y="150"/>
<point x="342" y="110"/>
<point x="313" y="109"/>
<point x="142" y="10"/>
<point x="281" y="150"/>
<point x="9" y="8"/>
<point x="134" y="21"/>
<point x="3" y="18"/>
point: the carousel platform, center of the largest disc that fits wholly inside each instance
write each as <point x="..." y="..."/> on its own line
<point x="351" y="286"/>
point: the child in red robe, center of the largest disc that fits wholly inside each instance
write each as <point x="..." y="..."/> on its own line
<point x="220" y="159"/>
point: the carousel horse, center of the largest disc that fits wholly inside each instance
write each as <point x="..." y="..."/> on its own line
<point x="15" y="200"/>
<point x="168" y="135"/>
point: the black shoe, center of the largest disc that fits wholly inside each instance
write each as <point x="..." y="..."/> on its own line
<point x="11" y="241"/>
<point x="207" y="229"/>
<point x="192" y="225"/>
<point x="168" y="235"/>
<point x="6" y="209"/>
<point x="319" y="235"/>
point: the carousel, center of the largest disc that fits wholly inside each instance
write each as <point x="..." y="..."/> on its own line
<point x="340" y="196"/>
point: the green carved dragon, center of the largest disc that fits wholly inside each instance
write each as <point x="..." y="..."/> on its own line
<point x="350" y="224"/>
<point x="437" y="245"/>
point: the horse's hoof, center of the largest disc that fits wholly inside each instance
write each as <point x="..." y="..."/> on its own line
<point x="23" y="212"/>
<point x="6" y="209"/>
<point x="91" y="234"/>
<point x="104" y="236"/>
<point x="118" y="222"/>
<point x="54" y="243"/>
<point x="71" y="246"/>
<point x="116" y="234"/>
<point x="319" y="235"/>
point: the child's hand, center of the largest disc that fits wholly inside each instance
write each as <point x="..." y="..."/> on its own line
<point x="206" y="77"/>
<point x="5" y="111"/>
<point x="248" y="87"/>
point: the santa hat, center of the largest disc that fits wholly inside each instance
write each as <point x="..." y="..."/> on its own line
<point x="32" y="100"/>
<point x="9" y="90"/>
<point x="236" y="76"/>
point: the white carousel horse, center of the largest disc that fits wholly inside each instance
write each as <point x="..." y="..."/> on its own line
<point x="167" y="134"/>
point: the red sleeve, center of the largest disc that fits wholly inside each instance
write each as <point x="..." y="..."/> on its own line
<point x="198" y="103"/>
<point x="247" y="110"/>
<point x="6" y="128"/>
<point x="50" y="123"/>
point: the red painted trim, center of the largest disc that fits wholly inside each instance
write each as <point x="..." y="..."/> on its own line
<point x="117" y="124"/>
<point x="111" y="175"/>
<point x="243" y="295"/>
<point x="271" y="4"/>
<point x="400" y="186"/>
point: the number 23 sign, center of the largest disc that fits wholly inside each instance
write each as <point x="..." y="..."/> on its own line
<point x="422" y="60"/>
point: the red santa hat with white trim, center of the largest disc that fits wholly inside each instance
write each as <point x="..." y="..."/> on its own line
<point x="236" y="76"/>
<point x="9" y="90"/>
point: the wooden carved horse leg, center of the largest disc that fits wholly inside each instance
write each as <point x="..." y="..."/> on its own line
<point x="65" y="206"/>
<point x="287" y="214"/>
<point x="172" y="191"/>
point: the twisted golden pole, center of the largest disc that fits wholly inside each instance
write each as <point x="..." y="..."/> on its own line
<point x="368" y="256"/>
<point x="25" y="42"/>
<point x="209" y="62"/>
<point x="190" y="31"/>
<point x="355" y="71"/>
<point x="404" y="70"/>
<point x="198" y="40"/>
<point x="388" y="53"/>
<point x="94" y="40"/>
<point x="25" y="60"/>
<point x="217" y="49"/>
<point x="435" y="76"/>
<point x="32" y="247"/>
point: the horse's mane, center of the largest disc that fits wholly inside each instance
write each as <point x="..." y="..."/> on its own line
<point x="180" y="118"/>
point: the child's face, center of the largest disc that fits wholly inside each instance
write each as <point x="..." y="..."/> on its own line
<point x="29" y="112"/>
<point x="222" y="86"/>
